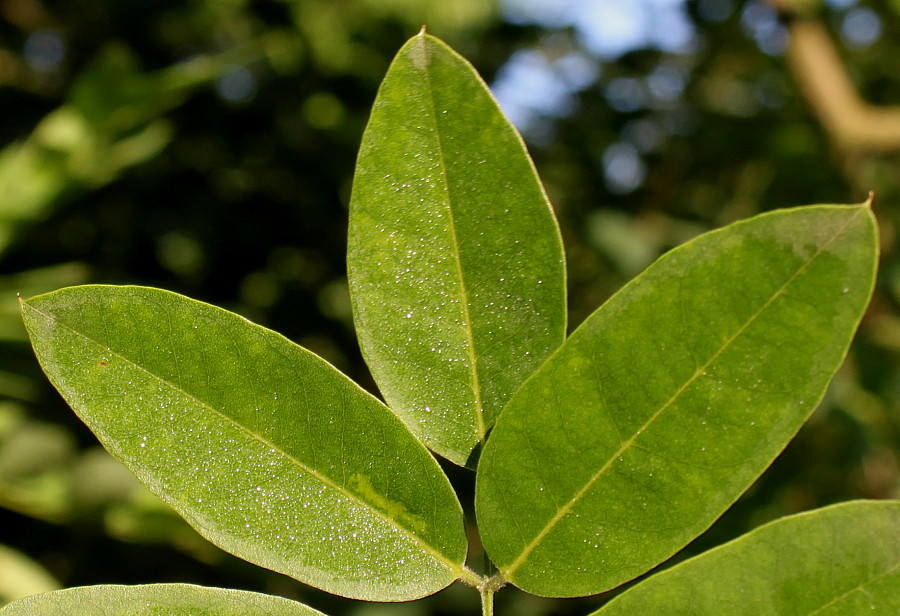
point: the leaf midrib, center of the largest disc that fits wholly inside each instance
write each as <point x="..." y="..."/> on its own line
<point x="855" y="589"/>
<point x="510" y="570"/>
<point x="457" y="569"/>
<point x="480" y="428"/>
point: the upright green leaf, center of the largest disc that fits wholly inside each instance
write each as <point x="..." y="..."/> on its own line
<point x="667" y="403"/>
<point x="839" y="561"/>
<point x="455" y="260"/>
<point x="263" y="447"/>
<point x="155" y="600"/>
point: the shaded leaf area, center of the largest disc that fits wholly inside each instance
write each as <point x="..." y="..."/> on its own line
<point x="156" y="600"/>
<point x="842" y="560"/>
<point x="669" y="401"/>
<point x="455" y="260"/>
<point x="263" y="447"/>
<point x="110" y="121"/>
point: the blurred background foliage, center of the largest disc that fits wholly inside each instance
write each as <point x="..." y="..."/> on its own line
<point x="207" y="147"/>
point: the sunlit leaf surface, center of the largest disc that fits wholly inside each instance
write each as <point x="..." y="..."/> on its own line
<point x="667" y="403"/>
<point x="455" y="260"/>
<point x="155" y="600"/>
<point x="263" y="447"/>
<point x="839" y="561"/>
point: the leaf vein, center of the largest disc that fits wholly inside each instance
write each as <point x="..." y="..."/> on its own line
<point x="859" y="588"/>
<point x="509" y="570"/>
<point x="480" y="428"/>
<point x="457" y="569"/>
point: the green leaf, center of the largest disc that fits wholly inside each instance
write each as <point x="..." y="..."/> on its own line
<point x="839" y="561"/>
<point x="263" y="447"/>
<point x="669" y="401"/>
<point x="155" y="600"/>
<point x="455" y="261"/>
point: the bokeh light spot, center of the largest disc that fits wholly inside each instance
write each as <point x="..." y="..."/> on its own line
<point x="861" y="27"/>
<point x="44" y="50"/>
<point x="237" y="86"/>
<point x="623" y="168"/>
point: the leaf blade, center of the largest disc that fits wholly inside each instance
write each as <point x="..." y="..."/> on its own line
<point x="786" y="567"/>
<point x="308" y="476"/>
<point x="670" y="392"/>
<point x="455" y="261"/>
<point x="154" y="599"/>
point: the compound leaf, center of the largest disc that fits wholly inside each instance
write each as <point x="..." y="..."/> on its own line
<point x="838" y="561"/>
<point x="263" y="447"/>
<point x="455" y="260"/>
<point x="669" y="401"/>
<point x="155" y="600"/>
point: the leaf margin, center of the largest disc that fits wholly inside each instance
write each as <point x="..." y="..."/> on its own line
<point x="508" y="571"/>
<point x="457" y="570"/>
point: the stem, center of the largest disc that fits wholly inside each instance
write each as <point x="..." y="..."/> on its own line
<point x="487" y="600"/>
<point x="487" y="589"/>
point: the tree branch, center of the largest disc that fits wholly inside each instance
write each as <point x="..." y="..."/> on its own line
<point x="852" y="123"/>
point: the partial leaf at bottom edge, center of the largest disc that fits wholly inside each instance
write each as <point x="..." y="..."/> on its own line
<point x="839" y="561"/>
<point x="155" y="600"/>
